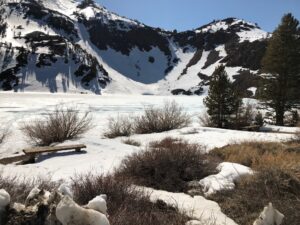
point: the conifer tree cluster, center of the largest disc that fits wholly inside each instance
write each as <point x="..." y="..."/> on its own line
<point x="280" y="89"/>
<point x="222" y="102"/>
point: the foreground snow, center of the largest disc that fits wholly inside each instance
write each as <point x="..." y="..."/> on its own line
<point x="102" y="155"/>
<point x="225" y="179"/>
<point x="197" y="207"/>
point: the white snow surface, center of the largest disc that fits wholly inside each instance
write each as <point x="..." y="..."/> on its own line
<point x="102" y="155"/>
<point x="224" y="180"/>
<point x="269" y="216"/>
<point x="65" y="190"/>
<point x="197" y="207"/>
<point x="68" y="212"/>
<point x="99" y="204"/>
<point x="4" y="199"/>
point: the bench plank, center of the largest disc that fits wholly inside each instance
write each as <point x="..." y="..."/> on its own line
<point x="37" y="150"/>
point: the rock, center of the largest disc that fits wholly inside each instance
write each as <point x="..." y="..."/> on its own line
<point x="269" y="216"/>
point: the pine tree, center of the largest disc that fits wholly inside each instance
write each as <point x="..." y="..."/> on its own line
<point x="280" y="88"/>
<point x="222" y="101"/>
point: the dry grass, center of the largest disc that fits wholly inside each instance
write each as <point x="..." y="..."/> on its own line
<point x="62" y="124"/>
<point x="247" y="200"/>
<point x="159" y="119"/>
<point x="261" y="155"/>
<point x="119" y="127"/>
<point x="126" y="205"/>
<point x="168" y="165"/>
<point x="131" y="142"/>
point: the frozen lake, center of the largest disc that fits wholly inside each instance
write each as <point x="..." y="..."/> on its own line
<point x="102" y="155"/>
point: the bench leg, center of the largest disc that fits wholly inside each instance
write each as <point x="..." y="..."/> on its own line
<point x="78" y="149"/>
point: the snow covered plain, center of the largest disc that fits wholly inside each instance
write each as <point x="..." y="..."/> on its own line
<point x="102" y="155"/>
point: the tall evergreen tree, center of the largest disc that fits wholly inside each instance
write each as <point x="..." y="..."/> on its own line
<point x="222" y="101"/>
<point x="280" y="90"/>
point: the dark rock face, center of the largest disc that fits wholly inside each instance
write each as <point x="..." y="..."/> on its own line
<point x="244" y="80"/>
<point x="246" y="54"/>
<point x="144" y="38"/>
<point x="212" y="58"/>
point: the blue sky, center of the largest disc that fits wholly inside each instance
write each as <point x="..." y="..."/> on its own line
<point x="188" y="14"/>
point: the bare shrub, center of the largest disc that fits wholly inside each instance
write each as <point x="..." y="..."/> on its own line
<point x="131" y="142"/>
<point x="159" y="119"/>
<point x="120" y="126"/>
<point x="205" y="120"/>
<point x="168" y="165"/>
<point x="19" y="188"/>
<point x="64" y="123"/>
<point x="126" y="205"/>
<point x="252" y="193"/>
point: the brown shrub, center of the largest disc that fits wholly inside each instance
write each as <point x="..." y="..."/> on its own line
<point x="126" y="205"/>
<point x="260" y="155"/>
<point x="120" y="126"/>
<point x="159" y="119"/>
<point x="247" y="200"/>
<point x="131" y="142"/>
<point x="19" y="188"/>
<point x="168" y="165"/>
<point x="62" y="124"/>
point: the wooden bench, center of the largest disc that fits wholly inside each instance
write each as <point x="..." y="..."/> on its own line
<point x="32" y="152"/>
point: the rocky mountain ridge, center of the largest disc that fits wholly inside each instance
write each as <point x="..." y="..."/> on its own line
<point x="71" y="46"/>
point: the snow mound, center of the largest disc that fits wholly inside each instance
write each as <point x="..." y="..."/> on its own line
<point x="201" y="210"/>
<point x="4" y="199"/>
<point x="65" y="190"/>
<point x="99" y="204"/>
<point x="269" y="216"/>
<point x="224" y="180"/>
<point x="68" y="212"/>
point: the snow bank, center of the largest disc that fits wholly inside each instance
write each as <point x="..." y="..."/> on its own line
<point x="68" y="212"/>
<point x="99" y="204"/>
<point x="229" y="173"/>
<point x="197" y="207"/>
<point x="4" y="199"/>
<point x="269" y="216"/>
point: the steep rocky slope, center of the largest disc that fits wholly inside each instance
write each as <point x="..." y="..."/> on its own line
<point x="70" y="46"/>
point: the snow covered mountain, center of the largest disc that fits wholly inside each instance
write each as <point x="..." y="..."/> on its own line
<point x="74" y="46"/>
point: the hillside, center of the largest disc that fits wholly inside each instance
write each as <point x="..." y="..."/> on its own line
<point x="67" y="46"/>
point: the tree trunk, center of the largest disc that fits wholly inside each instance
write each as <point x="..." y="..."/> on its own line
<point x="279" y="117"/>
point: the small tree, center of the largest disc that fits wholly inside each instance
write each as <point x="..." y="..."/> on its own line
<point x="259" y="119"/>
<point x="222" y="102"/>
<point x="280" y="87"/>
